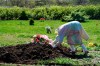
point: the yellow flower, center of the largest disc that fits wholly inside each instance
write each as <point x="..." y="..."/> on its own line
<point x="56" y="31"/>
<point x="91" y="44"/>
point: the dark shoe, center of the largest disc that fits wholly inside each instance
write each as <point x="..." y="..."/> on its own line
<point x="86" y="53"/>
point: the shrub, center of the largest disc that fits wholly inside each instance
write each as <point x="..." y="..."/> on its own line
<point x="39" y="12"/>
<point x="2" y="13"/>
<point x="90" y="11"/>
<point x="78" y="16"/>
<point x="8" y="13"/>
<point x="97" y="13"/>
<point x="23" y="16"/>
<point x="31" y="22"/>
<point x="75" y="16"/>
<point x="52" y="12"/>
<point x="66" y="18"/>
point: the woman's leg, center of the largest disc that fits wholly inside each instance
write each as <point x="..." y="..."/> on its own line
<point x="72" y="48"/>
<point x="57" y="41"/>
<point x="84" y="49"/>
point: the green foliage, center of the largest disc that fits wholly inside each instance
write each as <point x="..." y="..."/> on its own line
<point x="2" y="13"/>
<point x="97" y="12"/>
<point x="9" y="13"/>
<point x="78" y="16"/>
<point x="31" y="22"/>
<point x="66" y="18"/>
<point x="90" y="10"/>
<point x="23" y="16"/>
<point x="51" y="12"/>
<point x="75" y="16"/>
<point x="38" y="13"/>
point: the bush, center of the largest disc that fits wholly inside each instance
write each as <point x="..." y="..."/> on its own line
<point x="31" y="22"/>
<point x="75" y="16"/>
<point x="78" y="16"/>
<point x="97" y="13"/>
<point x="66" y="18"/>
<point x="9" y="13"/>
<point x="90" y="11"/>
<point x="2" y="13"/>
<point x="52" y="12"/>
<point x="23" y="16"/>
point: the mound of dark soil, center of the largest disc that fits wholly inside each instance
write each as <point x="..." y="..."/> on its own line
<point x="30" y="53"/>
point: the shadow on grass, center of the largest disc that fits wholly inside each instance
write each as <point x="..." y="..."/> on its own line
<point x="76" y="56"/>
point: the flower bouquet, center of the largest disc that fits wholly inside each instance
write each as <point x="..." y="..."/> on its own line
<point x="41" y="39"/>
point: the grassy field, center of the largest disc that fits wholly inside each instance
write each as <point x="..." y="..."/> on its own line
<point x="13" y="32"/>
<point x="18" y="32"/>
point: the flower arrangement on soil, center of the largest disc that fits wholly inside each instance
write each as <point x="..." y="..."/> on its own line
<point x="40" y="48"/>
<point x="42" y="39"/>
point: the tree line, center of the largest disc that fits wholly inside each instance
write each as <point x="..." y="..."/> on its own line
<point x="34" y="3"/>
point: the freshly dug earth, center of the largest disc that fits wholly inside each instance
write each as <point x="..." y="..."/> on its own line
<point x="31" y="53"/>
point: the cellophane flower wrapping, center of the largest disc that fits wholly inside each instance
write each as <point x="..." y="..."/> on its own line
<point x="42" y="39"/>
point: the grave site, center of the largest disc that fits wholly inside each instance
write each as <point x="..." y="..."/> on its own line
<point x="39" y="48"/>
<point x="31" y="53"/>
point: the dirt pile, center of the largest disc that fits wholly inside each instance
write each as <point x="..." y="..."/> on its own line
<point x="29" y="53"/>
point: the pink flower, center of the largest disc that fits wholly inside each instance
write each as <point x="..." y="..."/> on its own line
<point x="45" y="37"/>
<point x="42" y="38"/>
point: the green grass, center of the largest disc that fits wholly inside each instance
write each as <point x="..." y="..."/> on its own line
<point x="13" y="32"/>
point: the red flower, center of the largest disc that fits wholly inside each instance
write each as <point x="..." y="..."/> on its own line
<point x="37" y="40"/>
<point x="41" y="38"/>
<point x="42" y="18"/>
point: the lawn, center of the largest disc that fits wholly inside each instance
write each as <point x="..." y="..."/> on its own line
<point x="13" y="32"/>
